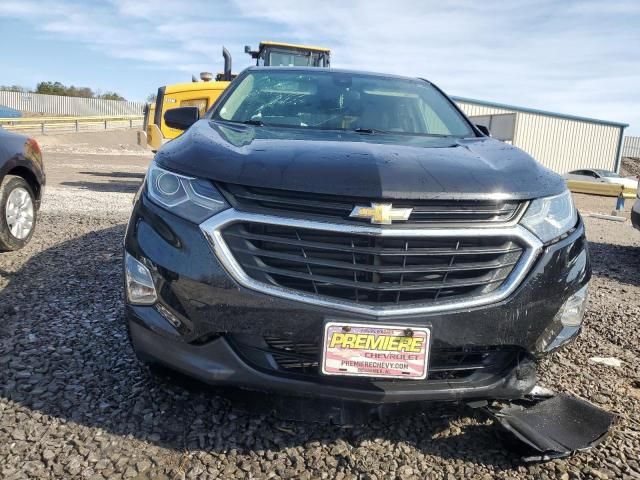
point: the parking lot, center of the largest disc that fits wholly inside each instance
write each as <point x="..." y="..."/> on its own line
<point x="74" y="401"/>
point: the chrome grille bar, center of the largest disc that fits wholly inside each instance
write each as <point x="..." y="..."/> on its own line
<point x="425" y="212"/>
<point x="529" y="246"/>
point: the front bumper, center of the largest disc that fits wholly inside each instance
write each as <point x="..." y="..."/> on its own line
<point x="210" y="311"/>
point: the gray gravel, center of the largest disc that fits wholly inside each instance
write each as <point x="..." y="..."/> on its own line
<point x="75" y="403"/>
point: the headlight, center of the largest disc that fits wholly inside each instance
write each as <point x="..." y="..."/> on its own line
<point x="194" y="199"/>
<point x="550" y="217"/>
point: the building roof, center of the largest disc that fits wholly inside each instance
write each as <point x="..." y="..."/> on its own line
<point x="7" y="112"/>
<point x="293" y="45"/>
<point x="538" y="112"/>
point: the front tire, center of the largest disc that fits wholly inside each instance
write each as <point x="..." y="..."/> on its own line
<point x="17" y="213"/>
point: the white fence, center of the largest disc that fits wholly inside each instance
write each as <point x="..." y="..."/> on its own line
<point x="58" y="105"/>
<point x="631" y="147"/>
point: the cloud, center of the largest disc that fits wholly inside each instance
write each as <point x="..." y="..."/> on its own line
<point x="155" y="37"/>
<point x="577" y="57"/>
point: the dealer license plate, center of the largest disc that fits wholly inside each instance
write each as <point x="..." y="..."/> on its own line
<point x="365" y="350"/>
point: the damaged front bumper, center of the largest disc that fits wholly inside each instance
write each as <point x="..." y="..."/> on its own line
<point x="552" y="425"/>
<point x="232" y="360"/>
<point x="207" y="326"/>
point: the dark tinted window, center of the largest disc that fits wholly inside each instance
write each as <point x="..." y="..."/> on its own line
<point x="607" y="173"/>
<point x="284" y="59"/>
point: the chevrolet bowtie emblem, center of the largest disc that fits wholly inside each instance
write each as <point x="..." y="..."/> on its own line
<point x="381" y="213"/>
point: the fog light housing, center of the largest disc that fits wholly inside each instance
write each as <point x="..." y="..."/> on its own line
<point x="139" y="282"/>
<point x="572" y="311"/>
<point x="566" y="324"/>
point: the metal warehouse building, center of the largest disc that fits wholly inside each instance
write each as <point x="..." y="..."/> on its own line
<point x="560" y="142"/>
<point x="631" y="147"/>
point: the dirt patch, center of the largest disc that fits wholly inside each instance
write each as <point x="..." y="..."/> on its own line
<point x="630" y="167"/>
<point x="112" y="142"/>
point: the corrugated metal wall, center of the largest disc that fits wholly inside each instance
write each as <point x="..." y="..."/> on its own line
<point x="58" y="105"/>
<point x="473" y="110"/>
<point x="565" y="145"/>
<point x="631" y="147"/>
<point x="559" y="142"/>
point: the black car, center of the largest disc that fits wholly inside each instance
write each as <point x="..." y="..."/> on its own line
<point x="22" y="182"/>
<point x="349" y="235"/>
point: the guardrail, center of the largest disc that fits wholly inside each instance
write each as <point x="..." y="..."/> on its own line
<point x="72" y="124"/>
<point x="603" y="189"/>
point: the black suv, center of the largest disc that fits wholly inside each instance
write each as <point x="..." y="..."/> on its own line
<point x="351" y="235"/>
<point x="22" y="182"/>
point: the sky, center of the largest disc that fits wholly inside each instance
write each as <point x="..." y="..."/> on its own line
<point x="575" y="57"/>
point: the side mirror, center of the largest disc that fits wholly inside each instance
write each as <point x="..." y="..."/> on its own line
<point x="484" y="130"/>
<point x="181" y="118"/>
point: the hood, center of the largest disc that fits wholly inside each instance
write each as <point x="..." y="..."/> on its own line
<point x="377" y="166"/>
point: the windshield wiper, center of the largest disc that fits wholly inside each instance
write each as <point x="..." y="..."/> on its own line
<point x="368" y="130"/>
<point x="257" y="123"/>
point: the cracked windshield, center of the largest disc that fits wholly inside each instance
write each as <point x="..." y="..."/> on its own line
<point x="336" y="101"/>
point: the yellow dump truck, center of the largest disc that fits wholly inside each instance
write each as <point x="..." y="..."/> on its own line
<point x="204" y="93"/>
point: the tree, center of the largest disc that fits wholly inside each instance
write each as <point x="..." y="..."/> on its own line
<point x="82" y="92"/>
<point x="14" y="88"/>
<point x="57" y="88"/>
<point x="111" y="96"/>
<point x="51" y="88"/>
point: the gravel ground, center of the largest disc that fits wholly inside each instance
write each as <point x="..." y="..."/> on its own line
<point x="75" y="403"/>
<point x="630" y="167"/>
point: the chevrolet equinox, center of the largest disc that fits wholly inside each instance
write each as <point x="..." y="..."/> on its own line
<point x="350" y="235"/>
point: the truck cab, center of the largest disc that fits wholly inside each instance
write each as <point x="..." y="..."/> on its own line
<point x="278" y="54"/>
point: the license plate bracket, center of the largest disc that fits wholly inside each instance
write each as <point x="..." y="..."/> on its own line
<point x="372" y="350"/>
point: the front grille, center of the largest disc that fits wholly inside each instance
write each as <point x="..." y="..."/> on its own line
<point x="303" y="357"/>
<point x="372" y="270"/>
<point x="273" y="201"/>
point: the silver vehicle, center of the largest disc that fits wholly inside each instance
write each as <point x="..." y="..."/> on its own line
<point x="601" y="176"/>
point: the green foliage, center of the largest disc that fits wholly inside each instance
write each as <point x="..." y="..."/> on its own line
<point x="110" y="96"/>
<point x="51" y="88"/>
<point x="14" y="88"/>
<point x="57" y="88"/>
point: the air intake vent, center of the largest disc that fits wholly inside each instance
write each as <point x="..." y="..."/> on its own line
<point x="303" y="357"/>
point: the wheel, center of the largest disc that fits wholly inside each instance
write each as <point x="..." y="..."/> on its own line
<point x="17" y="213"/>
